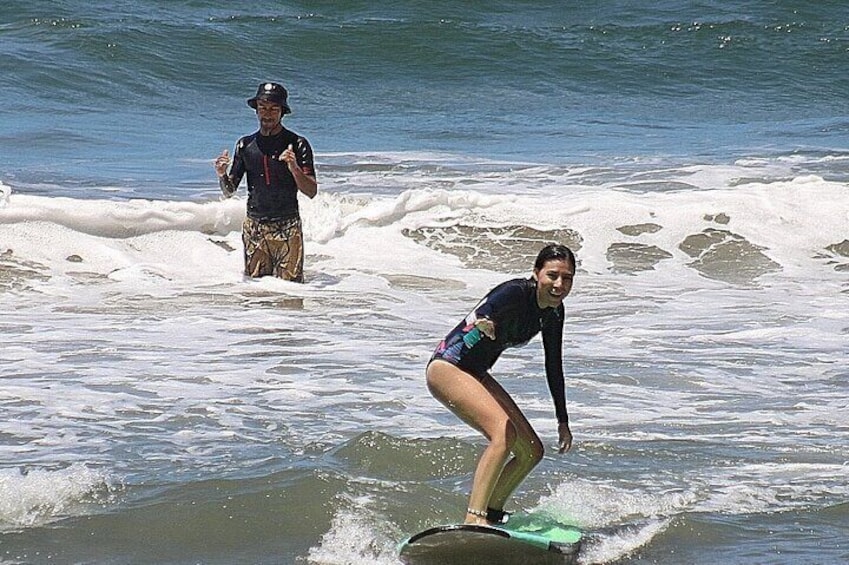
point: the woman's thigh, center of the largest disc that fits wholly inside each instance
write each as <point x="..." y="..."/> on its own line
<point x="526" y="435"/>
<point x="482" y="404"/>
<point x="466" y="396"/>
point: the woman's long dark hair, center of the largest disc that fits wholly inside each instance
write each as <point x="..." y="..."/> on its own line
<point x="554" y="251"/>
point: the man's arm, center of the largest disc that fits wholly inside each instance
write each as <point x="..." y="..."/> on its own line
<point x="302" y="170"/>
<point x="228" y="187"/>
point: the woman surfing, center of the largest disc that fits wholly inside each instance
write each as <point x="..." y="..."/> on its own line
<point x="458" y="376"/>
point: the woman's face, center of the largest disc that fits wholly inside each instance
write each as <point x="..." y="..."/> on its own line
<point x="554" y="281"/>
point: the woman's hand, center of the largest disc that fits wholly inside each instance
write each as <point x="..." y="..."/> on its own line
<point x="564" y="442"/>
<point x="486" y="327"/>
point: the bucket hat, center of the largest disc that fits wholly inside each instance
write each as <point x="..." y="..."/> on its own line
<point x="272" y="92"/>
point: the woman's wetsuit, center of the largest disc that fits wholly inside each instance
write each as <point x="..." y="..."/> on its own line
<point x="512" y="307"/>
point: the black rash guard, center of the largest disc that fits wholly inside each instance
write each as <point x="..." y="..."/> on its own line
<point x="272" y="192"/>
<point x="512" y="307"/>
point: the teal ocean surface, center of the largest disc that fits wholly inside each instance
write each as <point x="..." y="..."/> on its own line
<point x="161" y="408"/>
<point x="137" y="94"/>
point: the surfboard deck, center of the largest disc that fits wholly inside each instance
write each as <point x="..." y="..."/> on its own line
<point x="524" y="539"/>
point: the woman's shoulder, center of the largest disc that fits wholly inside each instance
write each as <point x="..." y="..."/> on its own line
<point x="513" y="292"/>
<point x="519" y="284"/>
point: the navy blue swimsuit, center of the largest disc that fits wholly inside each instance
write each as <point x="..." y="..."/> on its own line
<point x="512" y="307"/>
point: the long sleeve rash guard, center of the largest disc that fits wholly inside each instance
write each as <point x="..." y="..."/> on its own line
<point x="272" y="191"/>
<point x="512" y="307"/>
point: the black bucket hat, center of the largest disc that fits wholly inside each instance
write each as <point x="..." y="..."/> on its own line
<point x="272" y="92"/>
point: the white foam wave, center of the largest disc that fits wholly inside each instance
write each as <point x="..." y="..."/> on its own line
<point x="355" y="536"/>
<point x="5" y="191"/>
<point x="793" y="222"/>
<point x="629" y="518"/>
<point x="595" y="506"/>
<point x="621" y="543"/>
<point x="795" y="225"/>
<point x="625" y="518"/>
<point x="121" y="219"/>
<point x="39" y="496"/>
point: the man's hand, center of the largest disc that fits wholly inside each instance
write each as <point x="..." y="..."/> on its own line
<point x="289" y="157"/>
<point x="222" y="162"/>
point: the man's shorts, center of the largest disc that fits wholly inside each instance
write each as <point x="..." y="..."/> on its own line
<point x="274" y="248"/>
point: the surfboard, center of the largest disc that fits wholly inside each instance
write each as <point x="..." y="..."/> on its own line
<point x="528" y="539"/>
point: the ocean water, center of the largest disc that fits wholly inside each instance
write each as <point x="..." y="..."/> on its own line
<point x="158" y="407"/>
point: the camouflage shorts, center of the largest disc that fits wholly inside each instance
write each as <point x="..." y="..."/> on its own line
<point x="274" y="248"/>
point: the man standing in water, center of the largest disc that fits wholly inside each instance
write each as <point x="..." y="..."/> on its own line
<point x="279" y="164"/>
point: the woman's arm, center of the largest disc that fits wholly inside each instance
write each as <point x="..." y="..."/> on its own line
<point x="552" y="340"/>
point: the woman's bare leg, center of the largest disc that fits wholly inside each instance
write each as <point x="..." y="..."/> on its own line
<point x="488" y="408"/>
<point x="527" y="449"/>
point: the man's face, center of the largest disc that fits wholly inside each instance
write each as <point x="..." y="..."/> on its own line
<point x="269" y="114"/>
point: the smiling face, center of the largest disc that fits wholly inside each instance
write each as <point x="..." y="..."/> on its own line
<point x="554" y="282"/>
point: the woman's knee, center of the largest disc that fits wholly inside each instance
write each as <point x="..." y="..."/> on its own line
<point x="504" y="435"/>
<point x="529" y="450"/>
<point x="537" y="451"/>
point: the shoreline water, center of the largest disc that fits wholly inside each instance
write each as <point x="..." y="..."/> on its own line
<point x="147" y="377"/>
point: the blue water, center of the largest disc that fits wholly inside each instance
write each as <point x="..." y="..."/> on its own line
<point x="139" y="94"/>
<point x="160" y="408"/>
